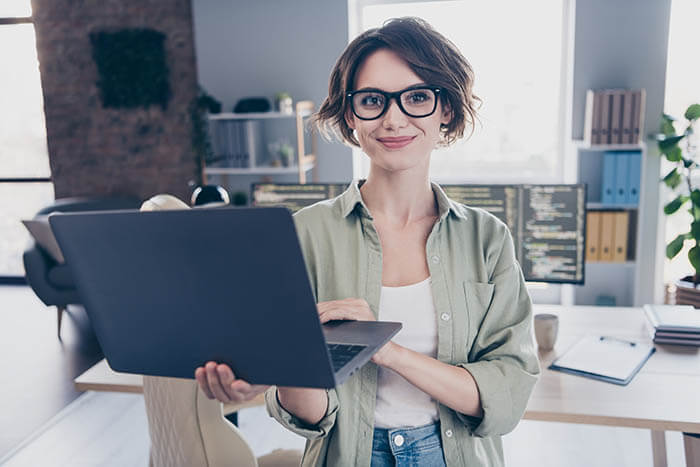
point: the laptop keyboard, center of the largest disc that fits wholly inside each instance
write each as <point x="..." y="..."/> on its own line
<point x="343" y="353"/>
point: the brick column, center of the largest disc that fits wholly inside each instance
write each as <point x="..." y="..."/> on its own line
<point x="96" y="151"/>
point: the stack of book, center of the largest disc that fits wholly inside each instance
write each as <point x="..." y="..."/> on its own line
<point x="686" y="294"/>
<point x="614" y="116"/>
<point x="674" y="324"/>
<point x="235" y="143"/>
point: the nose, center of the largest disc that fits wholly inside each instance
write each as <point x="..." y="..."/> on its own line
<point x="394" y="117"/>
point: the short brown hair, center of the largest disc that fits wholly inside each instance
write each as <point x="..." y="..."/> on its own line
<point x="431" y="56"/>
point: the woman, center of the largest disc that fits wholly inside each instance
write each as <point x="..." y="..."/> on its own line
<point x="459" y="373"/>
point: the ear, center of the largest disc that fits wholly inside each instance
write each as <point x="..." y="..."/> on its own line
<point x="446" y="116"/>
<point x="349" y="119"/>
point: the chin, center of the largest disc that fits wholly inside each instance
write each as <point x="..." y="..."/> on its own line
<point x="391" y="164"/>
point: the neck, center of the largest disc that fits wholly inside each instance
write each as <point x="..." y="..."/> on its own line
<point x="399" y="197"/>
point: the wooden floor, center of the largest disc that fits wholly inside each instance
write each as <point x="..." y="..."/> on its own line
<point x="36" y="369"/>
<point x="102" y="429"/>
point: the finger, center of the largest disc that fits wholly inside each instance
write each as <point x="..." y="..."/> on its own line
<point x="226" y="377"/>
<point x="215" y="382"/>
<point x="241" y="387"/>
<point x="337" y="313"/>
<point x="248" y="391"/>
<point x="200" y="375"/>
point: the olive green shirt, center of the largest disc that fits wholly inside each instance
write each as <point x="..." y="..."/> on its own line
<point x="484" y="318"/>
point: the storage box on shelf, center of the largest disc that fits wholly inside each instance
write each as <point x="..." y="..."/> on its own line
<point x="241" y="146"/>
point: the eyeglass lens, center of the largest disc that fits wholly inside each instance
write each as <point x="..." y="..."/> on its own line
<point x="417" y="102"/>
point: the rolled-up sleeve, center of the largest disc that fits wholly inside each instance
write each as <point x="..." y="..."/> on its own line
<point x="298" y="426"/>
<point x="503" y="358"/>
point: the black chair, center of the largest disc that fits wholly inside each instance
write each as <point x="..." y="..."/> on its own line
<point x="51" y="281"/>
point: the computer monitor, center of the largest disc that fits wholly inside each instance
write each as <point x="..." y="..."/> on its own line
<point x="547" y="222"/>
<point x="293" y="196"/>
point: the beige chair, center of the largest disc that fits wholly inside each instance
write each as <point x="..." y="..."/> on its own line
<point x="188" y="429"/>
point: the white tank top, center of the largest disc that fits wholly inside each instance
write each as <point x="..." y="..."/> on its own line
<point x="399" y="403"/>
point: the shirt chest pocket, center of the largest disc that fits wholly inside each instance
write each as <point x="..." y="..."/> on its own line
<point x="478" y="296"/>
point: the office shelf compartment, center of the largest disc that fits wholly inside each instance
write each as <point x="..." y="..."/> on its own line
<point x="615" y="279"/>
<point x="610" y="279"/>
<point x="590" y="168"/>
<point x="241" y="143"/>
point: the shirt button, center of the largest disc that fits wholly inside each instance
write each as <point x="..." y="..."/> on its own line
<point x="448" y="433"/>
<point x="435" y="259"/>
<point x="445" y="317"/>
<point x="398" y="440"/>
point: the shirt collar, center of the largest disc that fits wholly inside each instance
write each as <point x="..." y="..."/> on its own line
<point x="351" y="197"/>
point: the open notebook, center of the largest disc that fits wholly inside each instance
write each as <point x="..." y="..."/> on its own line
<point x="605" y="358"/>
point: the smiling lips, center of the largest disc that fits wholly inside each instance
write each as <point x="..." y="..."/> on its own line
<point x="396" y="142"/>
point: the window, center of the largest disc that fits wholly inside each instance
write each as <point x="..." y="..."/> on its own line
<point x="25" y="185"/>
<point x="518" y="71"/>
<point x="682" y="89"/>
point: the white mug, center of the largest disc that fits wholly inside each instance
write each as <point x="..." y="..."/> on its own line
<point x="546" y="328"/>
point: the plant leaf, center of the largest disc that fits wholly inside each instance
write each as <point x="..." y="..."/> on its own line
<point x="672" y="179"/>
<point x="693" y="112"/>
<point x="673" y="154"/>
<point x="675" y="205"/>
<point x="694" y="211"/>
<point x="676" y="245"/>
<point x="666" y="127"/>
<point x="687" y="163"/>
<point x="695" y="230"/>
<point x="695" y="196"/>
<point x="668" y="142"/>
<point x="694" y="257"/>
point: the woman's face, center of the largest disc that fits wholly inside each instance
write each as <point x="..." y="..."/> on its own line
<point x="395" y="141"/>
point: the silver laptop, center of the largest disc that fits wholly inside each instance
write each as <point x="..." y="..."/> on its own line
<point x="167" y="291"/>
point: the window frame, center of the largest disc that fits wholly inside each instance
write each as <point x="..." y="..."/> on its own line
<point x="5" y="279"/>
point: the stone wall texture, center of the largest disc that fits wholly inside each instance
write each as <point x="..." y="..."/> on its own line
<point x="96" y="151"/>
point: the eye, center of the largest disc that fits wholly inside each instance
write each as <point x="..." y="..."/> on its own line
<point x="371" y="100"/>
<point x="418" y="96"/>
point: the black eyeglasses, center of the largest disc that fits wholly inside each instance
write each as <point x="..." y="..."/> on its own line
<point x="416" y="101"/>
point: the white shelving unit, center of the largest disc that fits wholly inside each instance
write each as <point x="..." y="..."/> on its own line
<point x="620" y="279"/>
<point x="303" y="161"/>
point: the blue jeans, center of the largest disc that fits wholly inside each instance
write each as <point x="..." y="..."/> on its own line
<point x="419" y="446"/>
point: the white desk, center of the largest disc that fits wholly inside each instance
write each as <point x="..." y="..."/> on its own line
<point x="665" y="394"/>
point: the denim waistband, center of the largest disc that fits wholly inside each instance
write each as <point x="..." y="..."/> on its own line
<point x="397" y="440"/>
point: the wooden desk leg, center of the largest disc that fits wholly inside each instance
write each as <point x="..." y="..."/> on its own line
<point x="658" y="448"/>
<point x="692" y="449"/>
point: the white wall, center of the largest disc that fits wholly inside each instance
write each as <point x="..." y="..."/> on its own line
<point x="624" y="43"/>
<point x="258" y="48"/>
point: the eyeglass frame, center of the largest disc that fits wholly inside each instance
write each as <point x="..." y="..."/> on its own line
<point x="394" y="95"/>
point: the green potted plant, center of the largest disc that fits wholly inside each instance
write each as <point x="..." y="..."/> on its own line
<point x="284" y="103"/>
<point x="680" y="148"/>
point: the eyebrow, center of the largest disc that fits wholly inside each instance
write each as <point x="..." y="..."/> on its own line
<point x="413" y="86"/>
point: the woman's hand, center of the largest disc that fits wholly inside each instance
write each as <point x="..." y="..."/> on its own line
<point x="356" y="309"/>
<point x="217" y="381"/>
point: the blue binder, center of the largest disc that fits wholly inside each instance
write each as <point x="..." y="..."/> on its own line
<point x="621" y="178"/>
<point x="634" y="177"/>
<point x="607" y="195"/>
